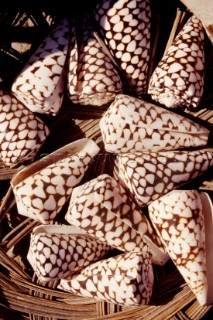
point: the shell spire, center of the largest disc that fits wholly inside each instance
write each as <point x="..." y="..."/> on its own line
<point x="178" y="79"/>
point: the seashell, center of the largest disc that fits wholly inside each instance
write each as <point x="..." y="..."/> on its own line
<point x="102" y="208"/>
<point x="21" y="132"/>
<point x="126" y="279"/>
<point x="58" y="250"/>
<point x="178" y="79"/>
<point x="131" y="124"/>
<point x="184" y="220"/>
<point x="125" y="29"/>
<point x="42" y="188"/>
<point x="149" y="175"/>
<point x="40" y="84"/>
<point x="92" y="78"/>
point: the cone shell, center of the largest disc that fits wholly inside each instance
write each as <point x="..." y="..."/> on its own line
<point x="92" y="78"/>
<point x="178" y="79"/>
<point x="126" y="279"/>
<point x="131" y="125"/>
<point x="57" y="251"/>
<point x="21" y="132"/>
<point x="149" y="175"/>
<point x="102" y="208"/>
<point x="125" y="28"/>
<point x="42" y="189"/>
<point x="40" y="85"/>
<point x="179" y="219"/>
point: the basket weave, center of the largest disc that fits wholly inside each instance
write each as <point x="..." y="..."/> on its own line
<point x="21" y="295"/>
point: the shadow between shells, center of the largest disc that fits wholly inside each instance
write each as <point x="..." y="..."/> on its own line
<point x="23" y="296"/>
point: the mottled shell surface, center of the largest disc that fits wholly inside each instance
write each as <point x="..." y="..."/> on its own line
<point x="131" y="125"/>
<point x="125" y="28"/>
<point x="179" y="219"/>
<point x="149" y="175"/>
<point x="92" y="78"/>
<point x="178" y="79"/>
<point x="21" y="132"/>
<point x="57" y="251"/>
<point x="102" y="208"/>
<point x="40" y="85"/>
<point x="42" y="189"/>
<point x="126" y="279"/>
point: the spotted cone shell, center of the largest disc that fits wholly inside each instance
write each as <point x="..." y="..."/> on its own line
<point x="126" y="279"/>
<point x="131" y="125"/>
<point x="125" y="28"/>
<point x="92" y="78"/>
<point x="40" y="85"/>
<point x="179" y="219"/>
<point x="21" y="132"/>
<point x="56" y="251"/>
<point x="42" y="188"/>
<point x="102" y="208"/>
<point x="149" y="175"/>
<point x="178" y="79"/>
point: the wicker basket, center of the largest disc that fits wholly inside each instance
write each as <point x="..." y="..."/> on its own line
<point x="21" y="295"/>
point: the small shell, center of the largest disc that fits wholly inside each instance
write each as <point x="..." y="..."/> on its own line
<point x="40" y="85"/>
<point x="42" y="188"/>
<point x="131" y="124"/>
<point x="57" y="251"/>
<point x="102" y="208"/>
<point x="178" y="79"/>
<point x="149" y="175"/>
<point x="125" y="28"/>
<point x="180" y="218"/>
<point x="126" y="279"/>
<point x="21" y="132"/>
<point x="92" y="78"/>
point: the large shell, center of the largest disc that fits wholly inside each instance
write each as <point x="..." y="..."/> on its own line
<point x="56" y="251"/>
<point x="184" y="220"/>
<point x="125" y="28"/>
<point x="126" y="279"/>
<point x="178" y="79"/>
<point x="42" y="188"/>
<point x="131" y="124"/>
<point x="40" y="85"/>
<point x="92" y="78"/>
<point x="21" y="132"/>
<point x="149" y="175"/>
<point x="103" y="209"/>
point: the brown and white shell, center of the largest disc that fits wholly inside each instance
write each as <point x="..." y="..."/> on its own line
<point x="149" y="175"/>
<point x="125" y="28"/>
<point x="21" y="132"/>
<point x="102" y="208"/>
<point x="42" y="188"/>
<point x="131" y="124"/>
<point x="56" y="251"/>
<point x="184" y="220"/>
<point x="126" y="279"/>
<point x="178" y="79"/>
<point x="92" y="79"/>
<point x="40" y="84"/>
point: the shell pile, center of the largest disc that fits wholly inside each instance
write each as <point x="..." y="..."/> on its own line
<point x="156" y="152"/>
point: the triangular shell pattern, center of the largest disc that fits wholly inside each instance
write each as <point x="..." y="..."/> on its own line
<point x="92" y="78"/>
<point x="178" y="79"/>
<point x="56" y="251"/>
<point x="21" y="132"/>
<point x="42" y="188"/>
<point x="125" y="28"/>
<point x="40" y="84"/>
<point x="179" y="219"/>
<point x="131" y="124"/>
<point x="126" y="279"/>
<point x="149" y="175"/>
